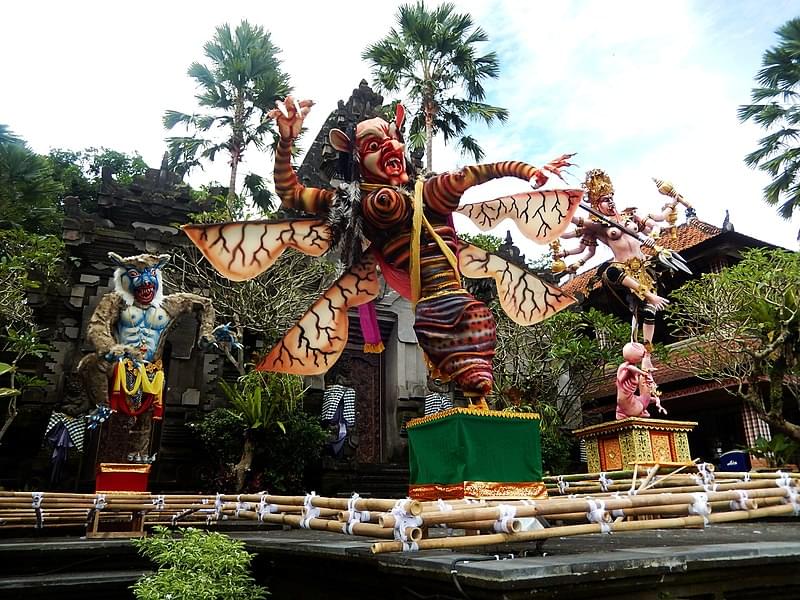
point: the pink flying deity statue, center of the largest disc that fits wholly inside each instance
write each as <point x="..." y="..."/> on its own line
<point x="383" y="219"/>
<point x="632" y="378"/>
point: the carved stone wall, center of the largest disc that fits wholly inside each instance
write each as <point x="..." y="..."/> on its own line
<point x="129" y="220"/>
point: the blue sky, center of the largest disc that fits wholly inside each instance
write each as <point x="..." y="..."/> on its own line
<point x="640" y="89"/>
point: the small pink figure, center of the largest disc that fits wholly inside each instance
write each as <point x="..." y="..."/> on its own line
<point x="631" y="378"/>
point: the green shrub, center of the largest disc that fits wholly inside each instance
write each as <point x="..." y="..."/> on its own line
<point x="194" y="565"/>
<point x="284" y="462"/>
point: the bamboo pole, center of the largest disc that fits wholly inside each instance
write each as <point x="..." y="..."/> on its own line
<point x="571" y="530"/>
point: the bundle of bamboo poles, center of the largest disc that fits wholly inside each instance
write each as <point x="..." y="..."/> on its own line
<point x="646" y="498"/>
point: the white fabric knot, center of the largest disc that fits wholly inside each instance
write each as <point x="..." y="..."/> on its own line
<point x="100" y="502"/>
<point x="402" y="521"/>
<point x="36" y="499"/>
<point x="309" y="511"/>
<point x="597" y="514"/>
<point x="746" y="477"/>
<point x="784" y="481"/>
<point x="443" y="506"/>
<point x="265" y="508"/>
<point x="240" y="506"/>
<point x="158" y="502"/>
<point x="741" y="502"/>
<point x="700" y="507"/>
<point x="563" y="486"/>
<point x="506" y="513"/>
<point x="605" y="481"/>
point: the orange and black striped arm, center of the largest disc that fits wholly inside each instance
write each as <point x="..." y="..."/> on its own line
<point x="292" y="193"/>
<point x="443" y="192"/>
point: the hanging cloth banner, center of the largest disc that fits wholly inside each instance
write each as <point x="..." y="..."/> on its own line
<point x="151" y="386"/>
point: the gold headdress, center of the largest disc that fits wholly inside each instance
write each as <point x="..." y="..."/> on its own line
<point x="597" y="185"/>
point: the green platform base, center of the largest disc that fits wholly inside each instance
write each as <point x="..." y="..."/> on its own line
<point x="469" y="453"/>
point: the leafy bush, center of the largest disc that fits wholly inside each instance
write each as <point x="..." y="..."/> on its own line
<point x="282" y="460"/>
<point x="778" y="451"/>
<point x="284" y="463"/>
<point x="196" y="564"/>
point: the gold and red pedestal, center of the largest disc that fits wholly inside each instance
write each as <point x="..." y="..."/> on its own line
<point x="616" y="445"/>
<point x="122" y="477"/>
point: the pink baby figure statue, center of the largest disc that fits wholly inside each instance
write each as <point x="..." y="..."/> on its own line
<point x="630" y="379"/>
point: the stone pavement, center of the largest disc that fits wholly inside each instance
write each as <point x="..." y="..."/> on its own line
<point x="731" y="561"/>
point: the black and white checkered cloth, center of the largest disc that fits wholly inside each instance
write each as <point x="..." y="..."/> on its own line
<point x="437" y="402"/>
<point x="330" y="400"/>
<point x="76" y="427"/>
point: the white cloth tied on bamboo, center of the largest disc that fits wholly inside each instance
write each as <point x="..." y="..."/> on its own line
<point x="563" y="486"/>
<point x="741" y="502"/>
<point x="700" y="506"/>
<point x="218" y="503"/>
<point x="309" y="510"/>
<point x="354" y="516"/>
<point x="784" y="481"/>
<point x="158" y="502"/>
<point x="264" y="507"/>
<point x="605" y="481"/>
<point x="596" y="513"/>
<point x="404" y="520"/>
<point x="506" y="514"/>
<point x="705" y="477"/>
<point x="100" y="502"/>
<point x="240" y="506"/>
<point x="443" y="506"/>
<point x="36" y="499"/>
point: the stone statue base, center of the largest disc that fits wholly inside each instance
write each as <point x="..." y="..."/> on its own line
<point x="468" y="453"/>
<point x="617" y="445"/>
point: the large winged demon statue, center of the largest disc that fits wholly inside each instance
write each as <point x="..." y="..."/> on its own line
<point x="385" y="219"/>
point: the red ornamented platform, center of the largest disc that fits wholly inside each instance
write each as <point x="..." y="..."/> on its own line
<point x="122" y="477"/>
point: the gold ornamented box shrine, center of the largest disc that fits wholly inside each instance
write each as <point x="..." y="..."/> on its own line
<point x="616" y="445"/>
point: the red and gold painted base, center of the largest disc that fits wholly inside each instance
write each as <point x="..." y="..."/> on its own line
<point x="618" y="444"/>
<point x="121" y="477"/>
<point x="478" y="489"/>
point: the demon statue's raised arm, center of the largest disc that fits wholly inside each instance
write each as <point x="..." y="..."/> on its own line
<point x="383" y="219"/>
<point x="128" y="330"/>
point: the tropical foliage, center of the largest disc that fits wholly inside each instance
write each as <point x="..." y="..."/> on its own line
<point x="261" y="401"/>
<point x="778" y="450"/>
<point x="432" y="59"/>
<point x="28" y="190"/>
<point x="548" y="367"/>
<point x="282" y="462"/>
<point x="19" y="345"/>
<point x="745" y="323"/>
<point x="195" y="564"/>
<point x="776" y="108"/>
<point x="239" y="84"/>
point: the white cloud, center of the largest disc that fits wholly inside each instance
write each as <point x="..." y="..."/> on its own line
<point x="637" y="88"/>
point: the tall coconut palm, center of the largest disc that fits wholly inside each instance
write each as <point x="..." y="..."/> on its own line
<point x="432" y="58"/>
<point x="776" y="108"/>
<point x="239" y="84"/>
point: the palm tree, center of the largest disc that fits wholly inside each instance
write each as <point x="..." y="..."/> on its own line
<point x="241" y="82"/>
<point x="28" y="192"/>
<point x="432" y="57"/>
<point x="776" y="109"/>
